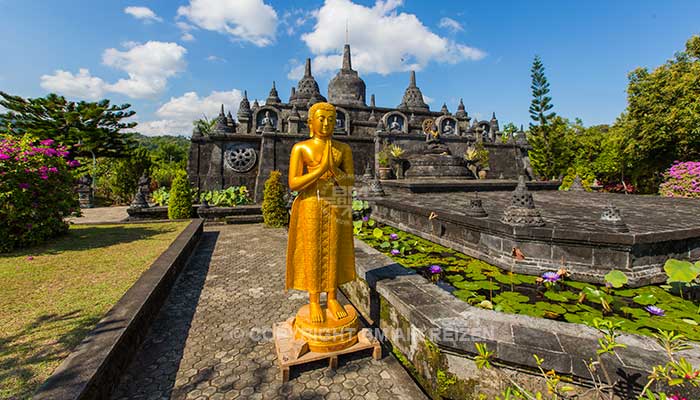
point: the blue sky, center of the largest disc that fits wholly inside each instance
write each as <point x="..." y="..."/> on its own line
<point x="176" y="60"/>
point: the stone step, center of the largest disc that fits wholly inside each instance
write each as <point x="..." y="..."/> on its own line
<point x="244" y="219"/>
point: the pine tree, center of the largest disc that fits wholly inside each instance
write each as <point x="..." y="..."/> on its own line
<point x="87" y="128"/>
<point x="274" y="208"/>
<point x="544" y="144"/>
<point x="180" y="203"/>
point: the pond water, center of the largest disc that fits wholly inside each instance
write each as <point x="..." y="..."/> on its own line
<point x="642" y="310"/>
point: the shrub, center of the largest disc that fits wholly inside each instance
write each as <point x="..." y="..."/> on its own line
<point x="682" y="180"/>
<point x="180" y="203"/>
<point x="274" y="208"/>
<point x="229" y="197"/>
<point x="587" y="178"/>
<point x="161" y="196"/>
<point x="36" y="191"/>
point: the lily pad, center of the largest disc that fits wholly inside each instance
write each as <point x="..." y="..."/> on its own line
<point x="510" y="297"/>
<point x="681" y="271"/>
<point x="508" y="278"/>
<point x="645" y="299"/>
<point x="377" y="233"/>
<point x="616" y="278"/>
<point x="554" y="296"/>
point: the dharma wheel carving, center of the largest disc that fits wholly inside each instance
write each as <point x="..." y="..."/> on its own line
<point x="240" y="159"/>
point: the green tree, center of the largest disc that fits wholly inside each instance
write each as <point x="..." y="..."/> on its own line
<point x="662" y="120"/>
<point x="117" y="179"/>
<point x="546" y="134"/>
<point x="87" y="128"/>
<point x="274" y="208"/>
<point x="180" y="203"/>
<point x="204" y="125"/>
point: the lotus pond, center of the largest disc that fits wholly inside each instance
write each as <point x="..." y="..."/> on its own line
<point x="642" y="310"/>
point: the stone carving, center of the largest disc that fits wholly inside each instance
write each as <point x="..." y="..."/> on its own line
<point x="447" y="129"/>
<point x="613" y="218"/>
<point x="476" y="208"/>
<point x="394" y="126"/>
<point x="413" y="97"/>
<point x="85" y="193"/>
<point x="375" y="188"/>
<point x="522" y="211"/>
<point x="240" y="158"/>
<point x="577" y="185"/>
<point x="144" y="189"/>
<point x="347" y="88"/>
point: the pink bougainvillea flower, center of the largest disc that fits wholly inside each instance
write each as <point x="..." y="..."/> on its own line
<point x="47" y="142"/>
<point x="4" y="156"/>
<point x="53" y="169"/>
<point x="30" y="258"/>
<point x="23" y="186"/>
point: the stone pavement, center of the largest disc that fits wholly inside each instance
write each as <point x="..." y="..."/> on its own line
<point x="212" y="338"/>
<point x="100" y="215"/>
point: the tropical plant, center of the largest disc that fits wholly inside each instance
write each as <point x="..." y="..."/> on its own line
<point x="274" y="205"/>
<point x="180" y="202"/>
<point x="36" y="190"/>
<point x="583" y="172"/>
<point x="229" y="197"/>
<point x="396" y="151"/>
<point x="384" y="157"/>
<point x="161" y="196"/>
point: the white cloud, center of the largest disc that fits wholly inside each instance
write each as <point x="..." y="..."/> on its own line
<point x="81" y="85"/>
<point x="428" y="99"/>
<point x="213" y="58"/>
<point x="450" y="24"/>
<point x="383" y="40"/>
<point x="185" y="28"/>
<point x="244" y="20"/>
<point x="142" y="13"/>
<point x="148" y="65"/>
<point x="178" y="113"/>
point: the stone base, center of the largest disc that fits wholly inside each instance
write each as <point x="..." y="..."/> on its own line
<point x="331" y="335"/>
<point x="436" y="166"/>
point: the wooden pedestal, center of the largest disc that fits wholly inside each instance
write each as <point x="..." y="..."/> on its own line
<point x="291" y="351"/>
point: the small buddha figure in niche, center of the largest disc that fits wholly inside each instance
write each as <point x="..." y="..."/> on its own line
<point x="320" y="249"/>
<point x="395" y="126"/>
<point x="447" y="129"/>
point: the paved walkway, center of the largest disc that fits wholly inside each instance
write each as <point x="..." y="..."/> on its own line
<point x="212" y="340"/>
<point x="101" y="215"/>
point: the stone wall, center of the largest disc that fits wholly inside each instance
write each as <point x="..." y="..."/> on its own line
<point x="434" y="334"/>
<point x="209" y="169"/>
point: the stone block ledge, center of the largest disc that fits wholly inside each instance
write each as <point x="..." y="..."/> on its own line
<point x="455" y="326"/>
<point x="94" y="367"/>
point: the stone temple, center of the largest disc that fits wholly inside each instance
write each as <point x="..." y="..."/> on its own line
<point x="243" y="151"/>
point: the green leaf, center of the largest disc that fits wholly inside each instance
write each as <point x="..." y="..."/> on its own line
<point x="681" y="271"/>
<point x="645" y="299"/>
<point x="378" y="233"/>
<point x="616" y="278"/>
<point x="689" y="321"/>
<point x="385" y="245"/>
<point x="554" y="296"/>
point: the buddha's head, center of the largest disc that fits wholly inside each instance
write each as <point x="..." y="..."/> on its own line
<point x="321" y="120"/>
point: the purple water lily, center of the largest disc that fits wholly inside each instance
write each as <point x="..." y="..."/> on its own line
<point x="395" y="252"/>
<point x="365" y="218"/>
<point x="393" y="236"/>
<point x="434" y="269"/>
<point x="550" y="277"/>
<point x="654" y="310"/>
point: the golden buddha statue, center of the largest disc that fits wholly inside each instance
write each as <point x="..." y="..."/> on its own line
<point x="320" y="250"/>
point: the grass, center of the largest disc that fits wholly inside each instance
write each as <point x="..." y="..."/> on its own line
<point x="52" y="295"/>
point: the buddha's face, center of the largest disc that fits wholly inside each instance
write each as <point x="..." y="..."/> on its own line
<point x="322" y="123"/>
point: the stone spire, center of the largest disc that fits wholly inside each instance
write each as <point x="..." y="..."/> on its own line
<point x="613" y="218"/>
<point x="522" y="210"/>
<point x="444" y="109"/>
<point x="493" y="125"/>
<point x="293" y="95"/>
<point x="307" y="88"/>
<point x="230" y="121"/>
<point x="221" y="126"/>
<point x="255" y="105"/>
<point x="244" y="107"/>
<point x="347" y="88"/>
<point x="413" y="97"/>
<point x="461" y="113"/>
<point x="273" y="97"/>
<point x="371" y="101"/>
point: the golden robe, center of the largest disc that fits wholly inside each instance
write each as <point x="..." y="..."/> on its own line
<point x="320" y="248"/>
